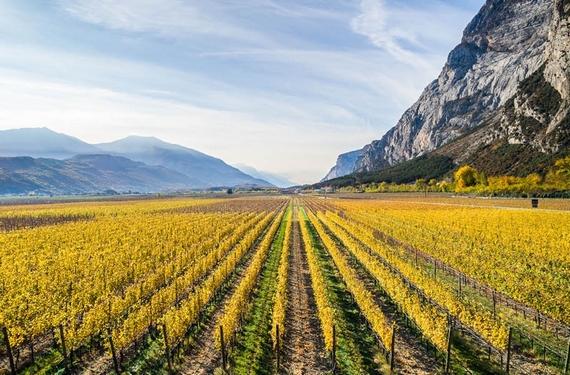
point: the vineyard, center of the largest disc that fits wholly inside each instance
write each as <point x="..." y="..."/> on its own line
<point x="286" y="285"/>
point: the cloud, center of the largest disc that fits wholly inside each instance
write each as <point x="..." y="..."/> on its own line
<point x="401" y="29"/>
<point x="372" y="22"/>
<point x="164" y="18"/>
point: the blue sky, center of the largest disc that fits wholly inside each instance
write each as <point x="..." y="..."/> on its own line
<point x="282" y="86"/>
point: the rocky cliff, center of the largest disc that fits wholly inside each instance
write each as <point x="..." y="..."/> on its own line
<point x="532" y="128"/>
<point x="504" y="45"/>
<point x="345" y="164"/>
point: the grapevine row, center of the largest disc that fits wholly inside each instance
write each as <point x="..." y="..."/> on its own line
<point x="325" y="310"/>
<point x="281" y="289"/>
<point x="519" y="252"/>
<point x="143" y="315"/>
<point x="362" y="295"/>
<point x="196" y="258"/>
<point x="235" y="306"/>
<point x="180" y="317"/>
<point x="461" y="307"/>
<point x="432" y="321"/>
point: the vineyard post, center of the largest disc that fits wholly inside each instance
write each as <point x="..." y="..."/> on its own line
<point x="223" y="348"/>
<point x="167" y="348"/>
<point x="63" y="348"/>
<point x="9" y="350"/>
<point x="392" y="346"/>
<point x="277" y="345"/>
<point x="113" y="352"/>
<point x="459" y="282"/>
<point x="448" y="354"/>
<point x="494" y="305"/>
<point x="567" y="364"/>
<point x="334" y="347"/>
<point x="416" y="257"/>
<point x="509" y="349"/>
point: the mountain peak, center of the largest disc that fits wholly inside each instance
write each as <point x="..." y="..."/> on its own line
<point x="506" y="42"/>
<point x="42" y="142"/>
<point x="133" y="142"/>
<point x="153" y="151"/>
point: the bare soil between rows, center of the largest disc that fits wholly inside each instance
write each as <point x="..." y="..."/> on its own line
<point x="304" y="348"/>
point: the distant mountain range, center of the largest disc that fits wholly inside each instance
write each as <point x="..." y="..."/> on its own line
<point x="42" y="161"/>
<point x="266" y="176"/>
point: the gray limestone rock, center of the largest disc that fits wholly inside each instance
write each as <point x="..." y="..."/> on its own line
<point x="504" y="44"/>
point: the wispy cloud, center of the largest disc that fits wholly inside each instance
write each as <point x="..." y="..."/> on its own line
<point x="165" y="18"/>
<point x="410" y="33"/>
<point x="372" y="22"/>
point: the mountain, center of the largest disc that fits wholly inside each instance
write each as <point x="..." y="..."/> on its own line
<point x="503" y="94"/>
<point x="200" y="170"/>
<point x="272" y="178"/>
<point x="206" y="170"/>
<point x="345" y="164"/>
<point x="85" y="174"/>
<point x="42" y="143"/>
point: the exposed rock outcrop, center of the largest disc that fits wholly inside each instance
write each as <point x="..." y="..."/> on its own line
<point x="345" y="164"/>
<point x="506" y="43"/>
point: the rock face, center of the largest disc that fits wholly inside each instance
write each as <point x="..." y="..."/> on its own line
<point x="345" y="164"/>
<point x="504" y="44"/>
<point x="558" y="49"/>
<point x="538" y="115"/>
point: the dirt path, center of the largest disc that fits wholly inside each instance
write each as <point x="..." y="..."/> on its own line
<point x="304" y="351"/>
<point x="410" y="357"/>
<point x="203" y="357"/>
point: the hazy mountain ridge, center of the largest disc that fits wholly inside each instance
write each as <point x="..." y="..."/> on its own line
<point x="478" y="89"/>
<point x="42" y="161"/>
<point x="84" y="174"/>
<point x="207" y="169"/>
<point x="272" y="178"/>
<point x="42" y="143"/>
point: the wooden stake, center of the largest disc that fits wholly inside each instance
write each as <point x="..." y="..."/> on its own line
<point x="113" y="353"/>
<point x="567" y="364"/>
<point x="167" y="348"/>
<point x="509" y="349"/>
<point x="392" y="346"/>
<point x="459" y="282"/>
<point x="223" y="348"/>
<point x="448" y="354"/>
<point x="9" y="350"/>
<point x="416" y="258"/>
<point x="63" y="347"/>
<point x="277" y="345"/>
<point x="334" y="347"/>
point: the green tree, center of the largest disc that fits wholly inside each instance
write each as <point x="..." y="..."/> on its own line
<point x="466" y="176"/>
<point x="563" y="167"/>
<point x="420" y="184"/>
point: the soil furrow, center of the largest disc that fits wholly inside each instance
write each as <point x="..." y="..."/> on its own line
<point x="304" y="350"/>
<point x="204" y="357"/>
